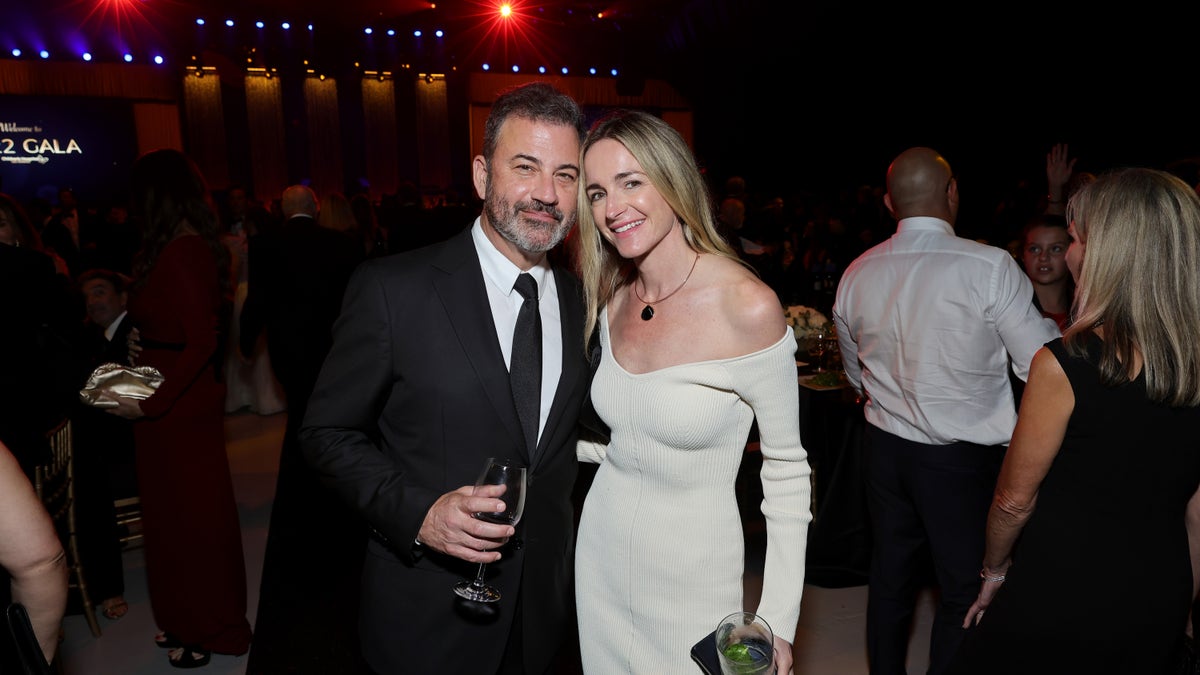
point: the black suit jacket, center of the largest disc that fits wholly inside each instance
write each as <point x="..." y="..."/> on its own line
<point x="296" y="279"/>
<point x="411" y="401"/>
<point x="38" y="340"/>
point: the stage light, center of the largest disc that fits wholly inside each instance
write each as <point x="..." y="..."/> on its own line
<point x="128" y="57"/>
<point x="439" y="32"/>
<point x="391" y="32"/>
<point x="286" y="25"/>
<point x="564" y="70"/>
<point x="417" y="33"/>
<point x="368" y="31"/>
<point x="310" y="26"/>
<point x="158" y="59"/>
<point x="229" y="22"/>
<point x="516" y="68"/>
<point x="542" y="70"/>
<point x="259" y="24"/>
<point x="87" y="56"/>
<point x="592" y="71"/>
<point x="16" y="52"/>
<point x="44" y="54"/>
<point x="485" y="66"/>
<point x="506" y="10"/>
<point x="613" y="72"/>
<point x="199" y="22"/>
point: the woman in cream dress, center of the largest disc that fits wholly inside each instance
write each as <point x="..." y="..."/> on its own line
<point x="695" y="349"/>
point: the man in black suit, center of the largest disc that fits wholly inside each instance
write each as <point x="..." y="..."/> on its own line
<point x="104" y="455"/>
<point x="415" y="396"/>
<point x="307" y="605"/>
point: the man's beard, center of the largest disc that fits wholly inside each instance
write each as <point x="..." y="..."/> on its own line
<point x="531" y="236"/>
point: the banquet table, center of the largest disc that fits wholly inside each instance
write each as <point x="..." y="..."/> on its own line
<point x="839" y="540"/>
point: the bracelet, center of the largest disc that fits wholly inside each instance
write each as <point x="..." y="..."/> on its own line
<point x="991" y="580"/>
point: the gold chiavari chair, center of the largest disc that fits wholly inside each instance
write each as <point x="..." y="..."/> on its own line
<point x="54" y="482"/>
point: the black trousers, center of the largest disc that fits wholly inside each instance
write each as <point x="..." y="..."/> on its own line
<point x="925" y="502"/>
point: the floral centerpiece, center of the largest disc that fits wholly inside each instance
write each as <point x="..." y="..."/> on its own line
<point x="811" y="328"/>
<point x="806" y="322"/>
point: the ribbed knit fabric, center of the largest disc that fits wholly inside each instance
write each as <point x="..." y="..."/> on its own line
<point x="659" y="560"/>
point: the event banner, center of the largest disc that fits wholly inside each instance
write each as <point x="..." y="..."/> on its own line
<point x="50" y="143"/>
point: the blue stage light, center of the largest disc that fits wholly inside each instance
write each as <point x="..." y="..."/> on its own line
<point x="613" y="72"/>
<point x="391" y="32"/>
<point x="128" y="57"/>
<point x="199" y="22"/>
<point x="87" y="56"/>
<point x="259" y="24"/>
<point x="542" y="70"/>
<point x="44" y="54"/>
<point x="592" y="71"/>
<point x="564" y="70"/>
<point x="516" y="68"/>
<point x="368" y="31"/>
<point x="416" y="33"/>
<point x="286" y="26"/>
<point x="485" y="66"/>
<point x="16" y="52"/>
<point x="439" y="33"/>
<point x="229" y="22"/>
<point x="158" y="59"/>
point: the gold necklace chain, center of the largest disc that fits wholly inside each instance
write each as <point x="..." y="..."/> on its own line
<point x="648" y="310"/>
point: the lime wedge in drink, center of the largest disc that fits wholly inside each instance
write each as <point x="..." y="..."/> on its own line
<point x="738" y="653"/>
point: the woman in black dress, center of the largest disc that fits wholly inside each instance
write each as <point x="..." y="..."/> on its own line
<point x="1087" y="567"/>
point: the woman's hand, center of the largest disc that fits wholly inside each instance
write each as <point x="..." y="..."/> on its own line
<point x="783" y="656"/>
<point x="129" y="408"/>
<point x="987" y="591"/>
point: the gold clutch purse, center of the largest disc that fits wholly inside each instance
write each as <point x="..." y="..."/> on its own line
<point x="114" y="379"/>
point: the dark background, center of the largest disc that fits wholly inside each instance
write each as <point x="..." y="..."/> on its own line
<point x="797" y="97"/>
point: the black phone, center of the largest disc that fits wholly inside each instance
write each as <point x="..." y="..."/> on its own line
<point x="704" y="653"/>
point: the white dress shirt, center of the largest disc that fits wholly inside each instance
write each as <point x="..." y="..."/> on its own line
<point x="926" y="322"/>
<point x="112" y="327"/>
<point x="500" y="275"/>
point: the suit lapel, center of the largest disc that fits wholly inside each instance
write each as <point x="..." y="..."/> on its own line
<point x="464" y="297"/>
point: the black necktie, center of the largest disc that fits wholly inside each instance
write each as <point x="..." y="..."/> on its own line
<point x="525" y="366"/>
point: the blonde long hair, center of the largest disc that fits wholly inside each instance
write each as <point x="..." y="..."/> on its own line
<point x="1140" y="279"/>
<point x="672" y="169"/>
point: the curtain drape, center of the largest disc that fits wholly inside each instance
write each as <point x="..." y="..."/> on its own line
<point x="204" y="119"/>
<point x="324" y="136"/>
<point x="268" y="155"/>
<point x="433" y="135"/>
<point x="379" y="125"/>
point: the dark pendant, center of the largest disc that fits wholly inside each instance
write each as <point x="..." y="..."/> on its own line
<point x="647" y="313"/>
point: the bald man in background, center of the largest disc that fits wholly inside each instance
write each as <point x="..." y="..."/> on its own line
<point x="928" y="324"/>
<point x="307" y="611"/>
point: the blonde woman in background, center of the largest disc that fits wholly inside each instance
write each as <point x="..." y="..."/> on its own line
<point x="1101" y="483"/>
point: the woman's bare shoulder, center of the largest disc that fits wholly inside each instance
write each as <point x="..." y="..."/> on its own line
<point x="751" y="310"/>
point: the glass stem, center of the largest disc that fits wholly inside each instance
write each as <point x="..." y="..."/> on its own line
<point x="478" y="583"/>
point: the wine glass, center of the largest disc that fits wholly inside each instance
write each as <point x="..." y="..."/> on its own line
<point x="511" y="475"/>
<point x="817" y="349"/>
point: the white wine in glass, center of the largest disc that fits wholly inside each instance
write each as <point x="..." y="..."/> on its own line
<point x="511" y="475"/>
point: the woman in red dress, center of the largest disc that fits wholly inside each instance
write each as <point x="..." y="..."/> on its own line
<point x="180" y="300"/>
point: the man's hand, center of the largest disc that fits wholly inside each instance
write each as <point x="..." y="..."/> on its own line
<point x="133" y="344"/>
<point x="451" y="528"/>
